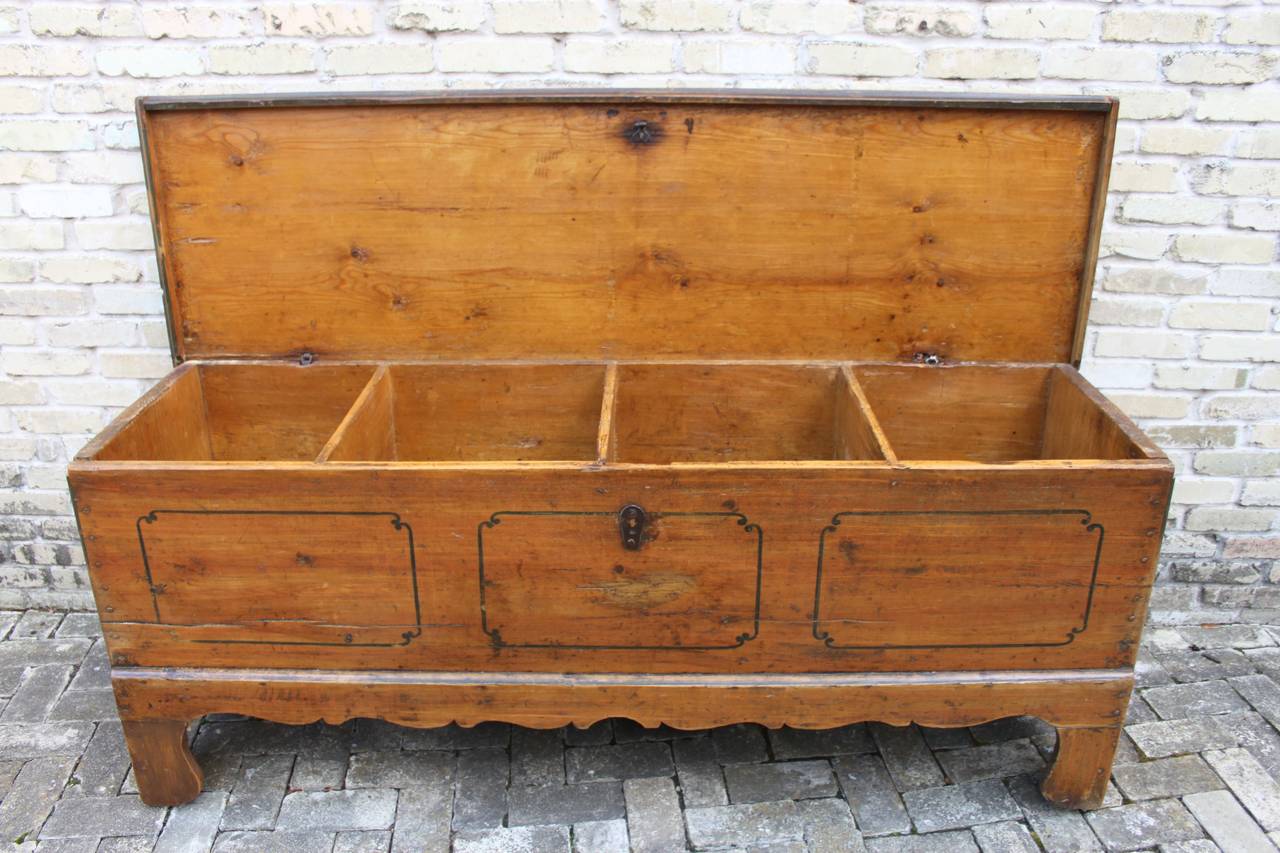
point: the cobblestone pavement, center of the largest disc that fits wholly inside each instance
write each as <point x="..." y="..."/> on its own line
<point x="1196" y="771"/>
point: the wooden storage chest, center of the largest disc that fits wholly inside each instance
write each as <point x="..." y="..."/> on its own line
<point x="694" y="408"/>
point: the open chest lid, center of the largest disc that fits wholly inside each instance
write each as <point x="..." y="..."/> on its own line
<point x="605" y="225"/>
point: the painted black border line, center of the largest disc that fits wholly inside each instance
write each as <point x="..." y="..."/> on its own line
<point x="496" y="638"/>
<point x="396" y="522"/>
<point x="1086" y="519"/>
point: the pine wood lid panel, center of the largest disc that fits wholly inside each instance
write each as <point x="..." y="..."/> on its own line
<point x="661" y="226"/>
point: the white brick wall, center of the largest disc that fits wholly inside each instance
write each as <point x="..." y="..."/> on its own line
<point x="1184" y="336"/>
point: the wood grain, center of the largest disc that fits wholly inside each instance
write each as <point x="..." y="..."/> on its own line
<point x="805" y="230"/>
<point x="1081" y="766"/>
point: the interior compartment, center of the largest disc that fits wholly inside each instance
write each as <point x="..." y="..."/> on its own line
<point x="474" y="413"/>
<point x="240" y="412"/>
<point x="991" y="414"/>
<point x="734" y="413"/>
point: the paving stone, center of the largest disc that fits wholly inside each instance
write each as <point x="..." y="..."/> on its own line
<point x="1013" y="728"/>
<point x="453" y="737"/>
<point x="587" y="801"/>
<point x="955" y="806"/>
<point x="741" y="744"/>
<point x="257" y="794"/>
<point x="629" y="731"/>
<point x="259" y="737"/>
<point x="1143" y="825"/>
<point x="1250" y="782"/>
<point x="39" y="652"/>
<point x="829" y="826"/>
<point x="1005" y="837"/>
<point x="1193" y="700"/>
<point x="222" y="769"/>
<point x="959" y="841"/>
<point x="309" y="811"/>
<point x="423" y="817"/>
<point x="619" y="761"/>
<point x="84" y="705"/>
<point x="80" y="625"/>
<point x="752" y="824"/>
<point x="273" y="842"/>
<point x="1139" y="712"/>
<point x="519" y="839"/>
<point x="480" y="796"/>
<point x="537" y="758"/>
<point x="36" y="625"/>
<point x="1059" y="830"/>
<point x="907" y="757"/>
<point x="1227" y="823"/>
<point x="32" y="796"/>
<point x="1179" y="737"/>
<point x="10" y="679"/>
<point x="594" y="735"/>
<point x="1191" y="666"/>
<point x="1199" y="845"/>
<point x="94" y="672"/>
<point x="32" y="740"/>
<point x="991" y="761"/>
<point x="601" y="836"/>
<point x="8" y="618"/>
<point x="699" y="773"/>
<point x="939" y="739"/>
<point x="193" y="827"/>
<point x="789" y="780"/>
<point x="8" y="772"/>
<point x="1262" y="693"/>
<point x="96" y="817"/>
<point x="1225" y="636"/>
<point x="36" y="695"/>
<point x="1148" y="671"/>
<point x="104" y="764"/>
<point x="317" y="774"/>
<point x="366" y="841"/>
<point x="869" y="789"/>
<point x="654" y="823"/>
<point x="400" y="769"/>
<point x="791" y="743"/>
<point x="1126" y="752"/>
<point x="1166" y="777"/>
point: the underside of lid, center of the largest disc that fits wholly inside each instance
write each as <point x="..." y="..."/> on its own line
<point x="629" y="226"/>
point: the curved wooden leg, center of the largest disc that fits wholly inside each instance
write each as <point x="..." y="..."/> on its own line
<point x="1081" y="767"/>
<point x="166" y="771"/>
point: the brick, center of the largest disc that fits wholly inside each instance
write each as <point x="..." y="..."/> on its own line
<point x="1138" y="245"/>
<point x="351" y="60"/>
<point x="1199" y="378"/>
<point x="26" y="168"/>
<point x="1172" y="210"/>
<point x="1256" y="215"/>
<point x="860" y="60"/>
<point x="739" y="58"/>
<point x="546" y="16"/>
<point x="1225" y="248"/>
<point x="1156" y="25"/>
<point x="41" y="60"/>
<point x="1134" y="176"/>
<point x="1265" y="436"/>
<point x="1100" y="63"/>
<point x="516" y="55"/>
<point x="261" y="59"/>
<point x="981" y="63"/>
<point x="618" y="761"/>
<point x="1141" y="104"/>
<point x="1240" y="179"/>
<point x="1230" y="518"/>
<point x="921" y="20"/>
<point x="45" y="135"/>
<point x="438" y="17"/>
<point x="40" y="202"/>
<point x="551" y="839"/>
<point x="1239" y="348"/>
<point x="1218" y="67"/>
<point x="1039" y="21"/>
<point x="311" y="811"/>
<point x="798" y="17"/>
<point x="1200" y="491"/>
<point x="611" y="56"/>
<point x="317" y="19"/>
<point x="1226" y="822"/>
<point x="1246" y="407"/>
<point x="1134" y="344"/>
<point x="16" y="100"/>
<point x="1261" y="143"/>
<point x="1141" y="825"/>
<point x="1238" y="105"/>
<point x="1183" y="140"/>
<point x="150" y="61"/>
<point x="756" y="824"/>
<point x="119" y="235"/>
<point x="1155" y="280"/>
<point x="676" y="15"/>
<point x="1243" y="463"/>
<point x="956" y="806"/>
<point x="654" y="822"/>
<point x="65" y="19"/>
<point x="1224" y="316"/>
<point x="1252" y="28"/>
<point x="1261" y="493"/>
<point x="180" y="22"/>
